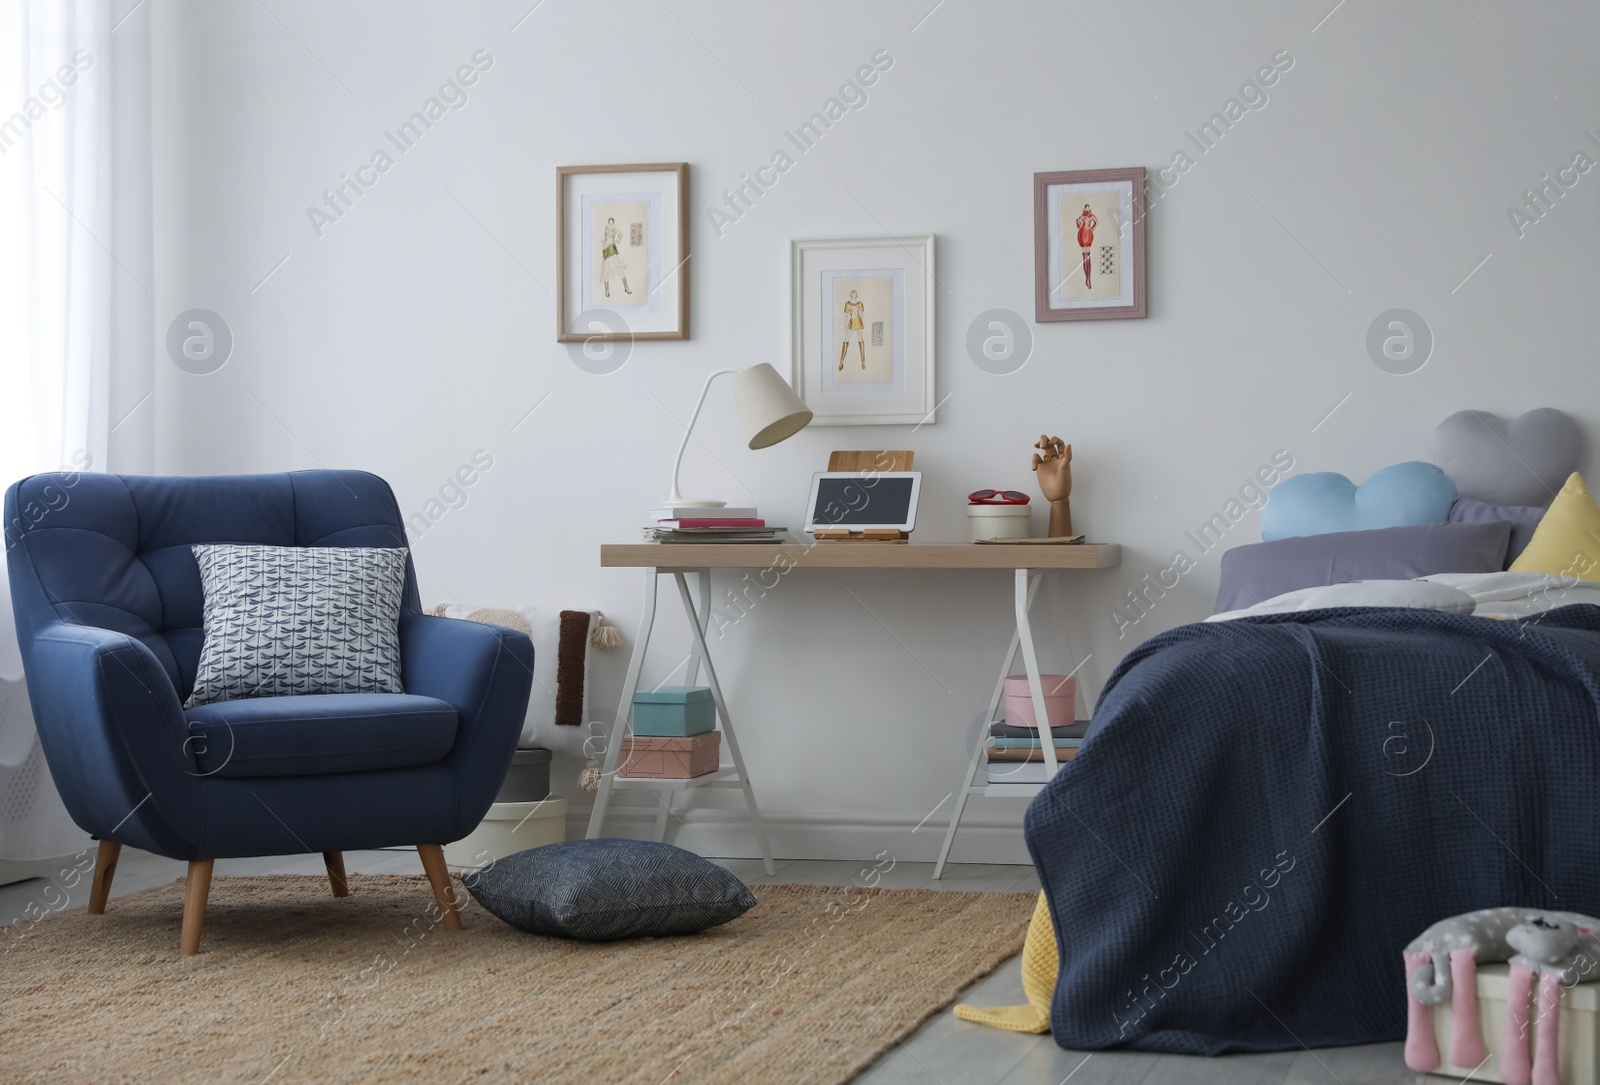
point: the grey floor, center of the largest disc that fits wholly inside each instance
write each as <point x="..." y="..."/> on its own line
<point x="944" y="1051"/>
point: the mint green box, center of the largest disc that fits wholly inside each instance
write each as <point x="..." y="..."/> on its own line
<point x="674" y="712"/>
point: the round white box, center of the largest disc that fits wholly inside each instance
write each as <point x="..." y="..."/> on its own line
<point x="509" y="827"/>
<point x="998" y="521"/>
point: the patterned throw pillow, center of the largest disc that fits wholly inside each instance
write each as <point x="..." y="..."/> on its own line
<point x="602" y="890"/>
<point x="285" y="620"/>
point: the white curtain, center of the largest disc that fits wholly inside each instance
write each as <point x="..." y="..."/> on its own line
<point x="79" y="375"/>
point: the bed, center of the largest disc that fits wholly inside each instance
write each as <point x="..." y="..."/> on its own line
<point x="1269" y="806"/>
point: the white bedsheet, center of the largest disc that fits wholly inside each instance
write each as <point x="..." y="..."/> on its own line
<point x="1497" y="595"/>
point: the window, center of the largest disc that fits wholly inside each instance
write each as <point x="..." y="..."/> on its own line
<point x="16" y="400"/>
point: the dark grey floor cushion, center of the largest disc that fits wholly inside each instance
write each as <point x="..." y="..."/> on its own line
<point x="601" y="890"/>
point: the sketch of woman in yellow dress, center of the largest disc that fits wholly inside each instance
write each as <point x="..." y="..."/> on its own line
<point x="853" y="325"/>
<point x="612" y="266"/>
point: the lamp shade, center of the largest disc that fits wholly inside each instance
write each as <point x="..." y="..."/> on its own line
<point x="768" y="407"/>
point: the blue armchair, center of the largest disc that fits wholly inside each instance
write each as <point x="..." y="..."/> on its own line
<point x="108" y="606"/>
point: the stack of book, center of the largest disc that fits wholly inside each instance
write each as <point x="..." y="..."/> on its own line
<point x="726" y="525"/>
<point x="1016" y="754"/>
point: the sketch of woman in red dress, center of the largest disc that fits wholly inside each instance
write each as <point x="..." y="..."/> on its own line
<point x="1086" y="224"/>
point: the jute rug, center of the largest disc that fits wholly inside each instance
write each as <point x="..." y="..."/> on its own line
<point x="293" y="985"/>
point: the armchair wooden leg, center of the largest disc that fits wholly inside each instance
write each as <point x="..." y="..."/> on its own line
<point x="197" y="888"/>
<point x="334" y="861"/>
<point x="105" y="868"/>
<point x="439" y="877"/>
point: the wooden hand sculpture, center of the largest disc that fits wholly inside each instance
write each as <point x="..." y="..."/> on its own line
<point x="1054" y="469"/>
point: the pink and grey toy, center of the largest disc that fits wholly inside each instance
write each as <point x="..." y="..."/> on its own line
<point x="1560" y="948"/>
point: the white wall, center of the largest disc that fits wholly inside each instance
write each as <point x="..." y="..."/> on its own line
<point x="414" y="332"/>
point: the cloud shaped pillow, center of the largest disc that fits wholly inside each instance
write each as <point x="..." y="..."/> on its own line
<point x="1403" y="495"/>
<point x="1523" y="461"/>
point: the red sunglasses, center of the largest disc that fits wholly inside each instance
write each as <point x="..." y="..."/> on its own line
<point x="997" y="497"/>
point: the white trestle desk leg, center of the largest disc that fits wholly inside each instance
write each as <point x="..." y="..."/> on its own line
<point x="703" y="579"/>
<point x="661" y="816"/>
<point x="980" y="744"/>
<point x="1030" y="660"/>
<point x="630" y="685"/>
<point x="1081" y="705"/>
<point x="727" y="723"/>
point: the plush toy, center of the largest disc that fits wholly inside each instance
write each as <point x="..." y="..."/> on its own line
<point x="1560" y="948"/>
<point x="488" y="615"/>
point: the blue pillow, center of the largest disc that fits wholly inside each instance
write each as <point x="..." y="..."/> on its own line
<point x="1255" y="573"/>
<point x="602" y="890"/>
<point x="1403" y="495"/>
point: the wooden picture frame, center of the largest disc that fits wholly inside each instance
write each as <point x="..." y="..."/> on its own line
<point x="596" y="300"/>
<point x="874" y="298"/>
<point x="1080" y="270"/>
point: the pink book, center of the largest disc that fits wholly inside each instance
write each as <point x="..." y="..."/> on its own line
<point x="712" y="521"/>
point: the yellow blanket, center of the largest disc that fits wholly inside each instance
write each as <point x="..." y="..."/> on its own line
<point x="1039" y="966"/>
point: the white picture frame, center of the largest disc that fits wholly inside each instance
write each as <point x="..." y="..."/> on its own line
<point x="862" y="329"/>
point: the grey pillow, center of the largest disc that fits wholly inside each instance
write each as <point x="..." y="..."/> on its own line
<point x="1257" y="572"/>
<point x="1525" y="461"/>
<point x="602" y="890"/>
<point x="1524" y="520"/>
<point x="286" y="620"/>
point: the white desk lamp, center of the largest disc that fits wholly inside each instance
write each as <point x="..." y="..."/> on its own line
<point x="768" y="407"/>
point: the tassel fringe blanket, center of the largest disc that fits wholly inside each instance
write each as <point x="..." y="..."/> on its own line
<point x="558" y="710"/>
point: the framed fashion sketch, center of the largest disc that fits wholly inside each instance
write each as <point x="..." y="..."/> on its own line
<point x="622" y="252"/>
<point x="862" y="328"/>
<point x="1088" y="245"/>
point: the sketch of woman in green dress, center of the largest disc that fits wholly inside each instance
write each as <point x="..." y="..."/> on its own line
<point x="854" y="323"/>
<point x="612" y="266"/>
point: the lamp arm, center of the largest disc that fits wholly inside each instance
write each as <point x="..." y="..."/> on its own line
<point x="675" y="496"/>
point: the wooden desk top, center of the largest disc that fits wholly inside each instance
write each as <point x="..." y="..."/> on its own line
<point x="852" y="555"/>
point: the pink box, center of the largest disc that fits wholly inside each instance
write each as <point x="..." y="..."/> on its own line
<point x="670" y="758"/>
<point x="1060" y="694"/>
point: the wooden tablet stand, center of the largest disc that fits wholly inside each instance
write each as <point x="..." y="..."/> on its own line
<point x="870" y="535"/>
<point x="866" y="461"/>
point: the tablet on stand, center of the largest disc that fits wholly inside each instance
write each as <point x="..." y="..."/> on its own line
<point x="863" y="506"/>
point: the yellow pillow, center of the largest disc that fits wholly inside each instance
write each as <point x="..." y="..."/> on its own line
<point x="1040" y="964"/>
<point x="1567" y="540"/>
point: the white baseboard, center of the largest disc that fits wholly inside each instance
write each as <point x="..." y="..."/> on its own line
<point x="18" y="870"/>
<point x="726" y="833"/>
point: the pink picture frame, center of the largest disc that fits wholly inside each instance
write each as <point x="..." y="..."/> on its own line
<point x="1089" y="245"/>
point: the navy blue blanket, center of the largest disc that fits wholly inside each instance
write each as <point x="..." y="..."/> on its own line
<point x="1265" y="811"/>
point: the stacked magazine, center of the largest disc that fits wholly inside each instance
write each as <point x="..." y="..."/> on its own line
<point x="706" y="525"/>
<point x="1016" y="754"/>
